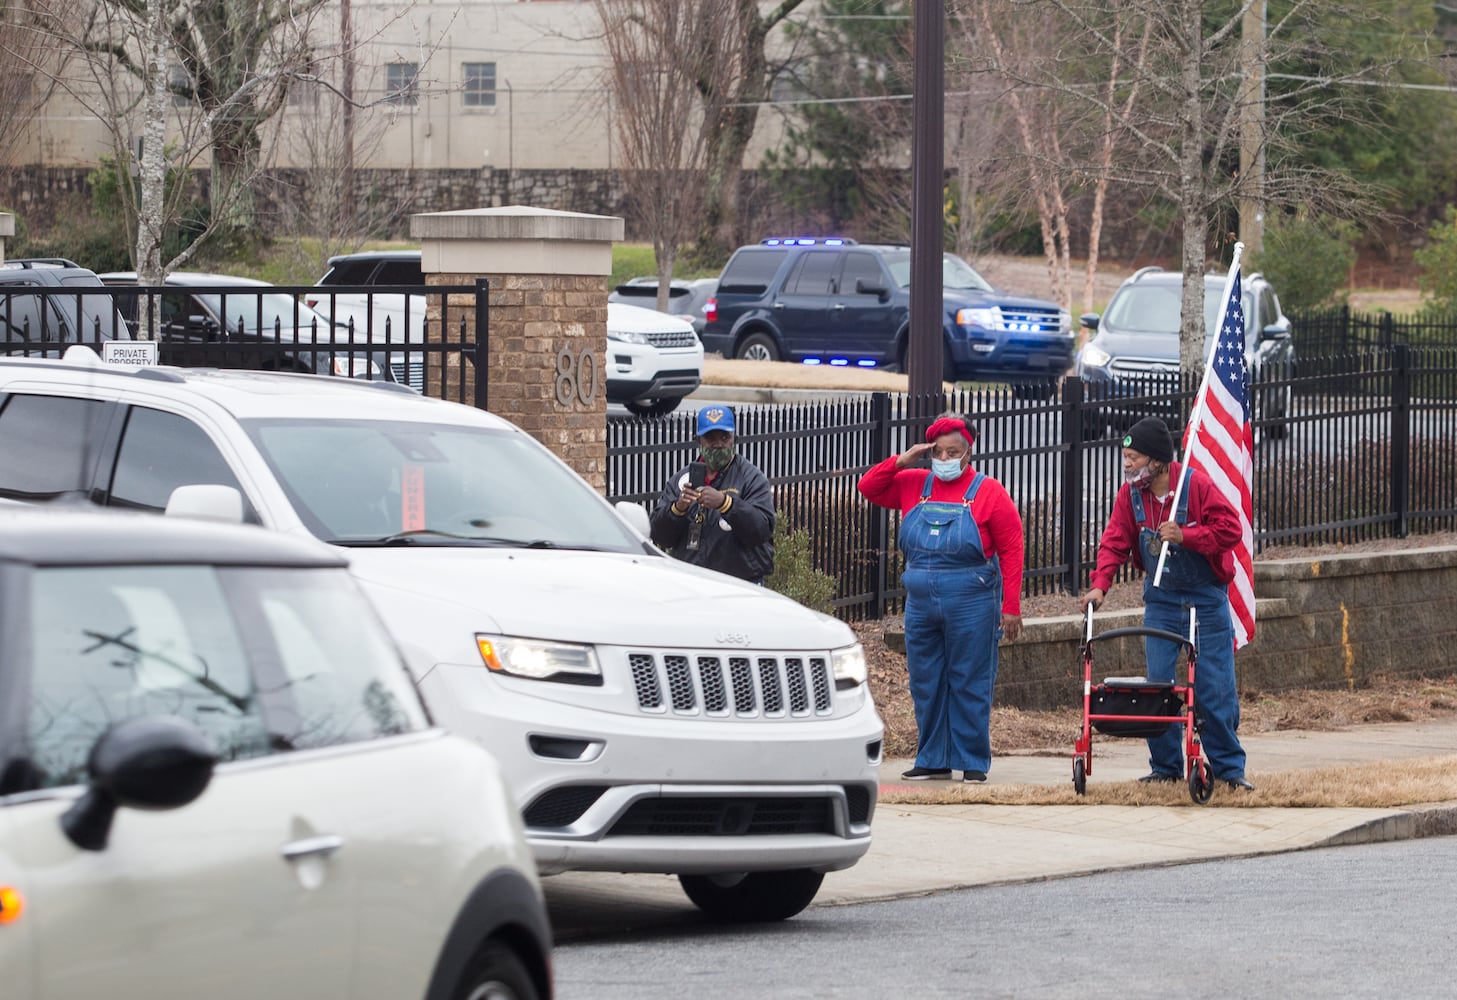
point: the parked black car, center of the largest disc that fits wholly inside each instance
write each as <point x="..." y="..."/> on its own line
<point x="44" y="304"/>
<point x="1135" y="347"/>
<point x="838" y="302"/>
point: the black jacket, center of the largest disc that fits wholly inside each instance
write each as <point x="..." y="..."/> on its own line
<point x="746" y="551"/>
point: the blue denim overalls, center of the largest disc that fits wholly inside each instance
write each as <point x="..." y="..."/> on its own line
<point x="953" y="622"/>
<point x="1188" y="581"/>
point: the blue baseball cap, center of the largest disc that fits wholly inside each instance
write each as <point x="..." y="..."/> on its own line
<point x="715" y="418"/>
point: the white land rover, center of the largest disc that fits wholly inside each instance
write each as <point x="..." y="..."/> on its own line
<point x="650" y="716"/>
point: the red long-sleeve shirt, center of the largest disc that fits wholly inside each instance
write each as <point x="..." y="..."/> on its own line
<point x="992" y="509"/>
<point x="1213" y="529"/>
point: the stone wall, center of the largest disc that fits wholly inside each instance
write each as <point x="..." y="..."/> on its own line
<point x="1322" y="622"/>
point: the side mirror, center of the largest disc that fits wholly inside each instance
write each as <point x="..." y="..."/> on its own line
<point x="150" y="762"/>
<point x="865" y="286"/>
<point x="636" y="518"/>
<point x="1089" y="321"/>
<point x="207" y="502"/>
<point x="1277" y="331"/>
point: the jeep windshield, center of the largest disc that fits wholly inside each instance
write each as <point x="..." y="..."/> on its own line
<point x="1142" y="308"/>
<point x="377" y="483"/>
<point x="955" y="272"/>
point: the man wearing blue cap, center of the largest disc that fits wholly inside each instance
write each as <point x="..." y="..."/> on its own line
<point x="718" y="511"/>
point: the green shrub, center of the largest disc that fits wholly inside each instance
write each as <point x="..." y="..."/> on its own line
<point x="794" y="573"/>
<point x="1308" y="258"/>
<point x="1438" y="263"/>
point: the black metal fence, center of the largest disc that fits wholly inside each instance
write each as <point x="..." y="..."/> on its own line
<point x="377" y="332"/>
<point x="1366" y="447"/>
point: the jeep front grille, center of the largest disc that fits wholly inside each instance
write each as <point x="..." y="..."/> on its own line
<point x="716" y="686"/>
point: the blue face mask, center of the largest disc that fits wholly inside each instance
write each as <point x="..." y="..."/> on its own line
<point x="946" y="469"/>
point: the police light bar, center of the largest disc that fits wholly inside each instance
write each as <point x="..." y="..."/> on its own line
<point x="807" y="241"/>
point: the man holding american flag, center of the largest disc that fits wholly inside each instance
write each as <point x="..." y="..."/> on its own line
<point x="1188" y="527"/>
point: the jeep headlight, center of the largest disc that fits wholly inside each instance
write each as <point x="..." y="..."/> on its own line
<point x="627" y="337"/>
<point x="989" y="317"/>
<point x="1095" y="357"/>
<point x="540" y="659"/>
<point x="848" y="666"/>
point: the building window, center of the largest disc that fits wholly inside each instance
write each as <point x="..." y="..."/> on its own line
<point x="480" y="84"/>
<point x="179" y="82"/>
<point x="304" y="93"/>
<point x="402" y="83"/>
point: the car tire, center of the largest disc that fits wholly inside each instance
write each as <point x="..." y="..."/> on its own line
<point x="1094" y="426"/>
<point x="756" y="897"/>
<point x="652" y="407"/>
<point x="757" y="347"/>
<point x="496" y="973"/>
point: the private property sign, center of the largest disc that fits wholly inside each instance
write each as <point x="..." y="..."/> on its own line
<point x="129" y="353"/>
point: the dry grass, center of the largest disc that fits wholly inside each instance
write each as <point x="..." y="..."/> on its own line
<point x="1379" y="785"/>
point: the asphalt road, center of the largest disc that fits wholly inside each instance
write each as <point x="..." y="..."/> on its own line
<point x="1369" y="921"/>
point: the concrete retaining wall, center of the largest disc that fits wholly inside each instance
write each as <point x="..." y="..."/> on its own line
<point x="1324" y="622"/>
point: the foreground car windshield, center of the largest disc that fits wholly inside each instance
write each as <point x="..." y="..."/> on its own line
<point x="1155" y="309"/>
<point x="955" y="272"/>
<point x="362" y="482"/>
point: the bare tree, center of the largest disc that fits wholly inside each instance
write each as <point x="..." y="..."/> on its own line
<point x="735" y="82"/>
<point x="28" y="62"/>
<point x="658" y="52"/>
<point x="1184" y="117"/>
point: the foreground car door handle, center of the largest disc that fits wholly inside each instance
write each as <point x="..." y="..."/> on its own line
<point x="321" y="846"/>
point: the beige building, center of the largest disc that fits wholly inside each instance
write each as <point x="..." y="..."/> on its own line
<point x="463" y="84"/>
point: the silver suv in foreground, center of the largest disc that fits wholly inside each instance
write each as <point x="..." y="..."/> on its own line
<point x="217" y="781"/>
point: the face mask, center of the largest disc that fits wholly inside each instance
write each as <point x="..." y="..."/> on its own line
<point x="718" y="459"/>
<point x="946" y="469"/>
<point x="1137" y="477"/>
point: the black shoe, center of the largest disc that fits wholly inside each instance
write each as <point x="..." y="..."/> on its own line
<point x="1158" y="778"/>
<point x="926" y="773"/>
<point x="1239" y="784"/>
<point x="973" y="776"/>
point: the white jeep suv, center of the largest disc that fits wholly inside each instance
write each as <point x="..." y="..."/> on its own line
<point x="216" y="781"/>
<point x="650" y="716"/>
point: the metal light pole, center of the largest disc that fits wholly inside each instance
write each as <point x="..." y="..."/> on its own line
<point x="924" y="350"/>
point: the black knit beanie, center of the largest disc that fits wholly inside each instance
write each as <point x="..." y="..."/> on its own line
<point x="1151" y="437"/>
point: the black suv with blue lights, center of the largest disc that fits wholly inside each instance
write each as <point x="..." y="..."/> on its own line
<point x="838" y="302"/>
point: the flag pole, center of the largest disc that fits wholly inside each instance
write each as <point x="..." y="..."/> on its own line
<point x="1239" y="249"/>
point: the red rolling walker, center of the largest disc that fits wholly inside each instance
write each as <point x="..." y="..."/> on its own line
<point x="1138" y="708"/>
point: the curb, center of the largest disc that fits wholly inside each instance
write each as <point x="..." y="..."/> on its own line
<point x="1423" y="821"/>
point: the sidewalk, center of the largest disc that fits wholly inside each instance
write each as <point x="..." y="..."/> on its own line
<point x="919" y="849"/>
<point x="925" y="848"/>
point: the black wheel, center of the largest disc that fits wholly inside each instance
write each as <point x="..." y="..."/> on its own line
<point x="1201" y="782"/>
<point x="496" y="973"/>
<point x="754" y="897"/>
<point x="1280" y="413"/>
<point x="652" y="407"/>
<point x="758" y="347"/>
<point x="948" y="365"/>
<point x="1080" y="776"/>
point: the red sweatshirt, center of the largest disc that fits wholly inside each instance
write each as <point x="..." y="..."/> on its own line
<point x="1213" y="528"/>
<point x="995" y="515"/>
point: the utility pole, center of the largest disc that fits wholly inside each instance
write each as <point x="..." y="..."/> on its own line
<point x="1252" y="129"/>
<point x="928" y="102"/>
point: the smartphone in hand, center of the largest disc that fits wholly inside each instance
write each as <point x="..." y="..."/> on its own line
<point x="697" y="474"/>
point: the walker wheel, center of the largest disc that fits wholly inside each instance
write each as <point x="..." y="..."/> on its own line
<point x="1080" y="776"/>
<point x="1201" y="782"/>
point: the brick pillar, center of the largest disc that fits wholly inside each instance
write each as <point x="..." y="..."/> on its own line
<point x="547" y="345"/>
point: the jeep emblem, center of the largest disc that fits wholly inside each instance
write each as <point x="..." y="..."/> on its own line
<point x="732" y="639"/>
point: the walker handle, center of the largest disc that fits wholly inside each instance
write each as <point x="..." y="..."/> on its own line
<point x="1088" y="623"/>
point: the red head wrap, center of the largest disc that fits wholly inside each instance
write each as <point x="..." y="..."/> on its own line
<point x="950" y="425"/>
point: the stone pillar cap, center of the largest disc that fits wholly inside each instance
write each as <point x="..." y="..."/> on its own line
<point x="515" y="222"/>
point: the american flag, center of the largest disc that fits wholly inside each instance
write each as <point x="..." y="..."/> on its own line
<point x="1220" y="444"/>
